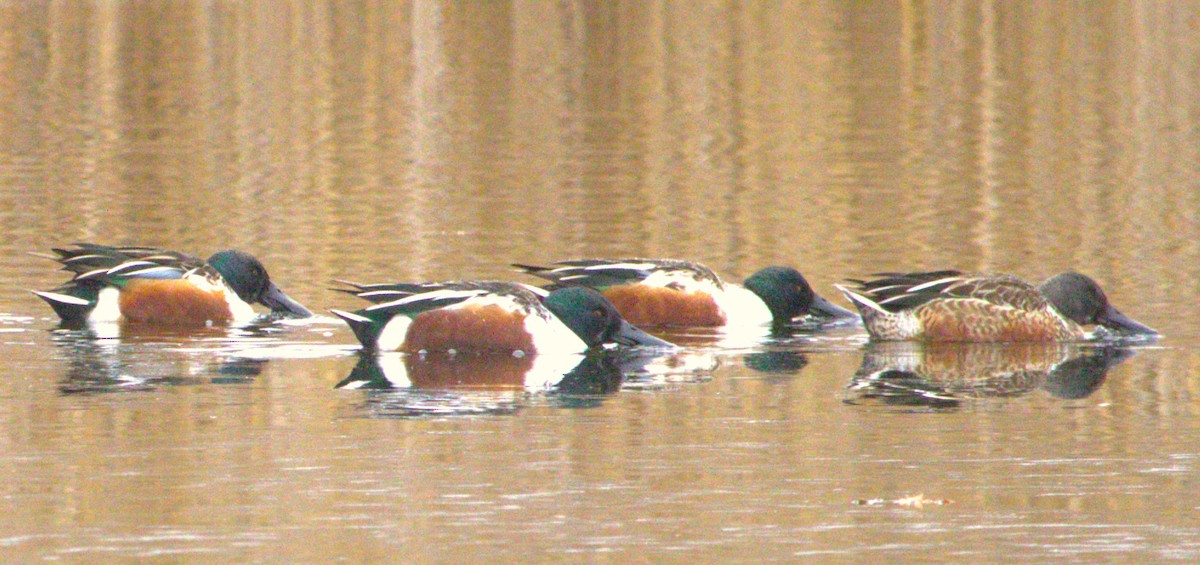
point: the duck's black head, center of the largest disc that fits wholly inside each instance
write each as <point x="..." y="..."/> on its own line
<point x="1081" y="300"/>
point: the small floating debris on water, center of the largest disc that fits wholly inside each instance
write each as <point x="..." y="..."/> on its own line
<point x="914" y="501"/>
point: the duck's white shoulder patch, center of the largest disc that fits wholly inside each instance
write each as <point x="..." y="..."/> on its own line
<point x="742" y="307"/>
<point x="552" y="336"/>
<point x="241" y="312"/>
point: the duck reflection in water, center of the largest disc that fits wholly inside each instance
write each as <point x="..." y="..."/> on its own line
<point x="99" y="365"/>
<point x="782" y="361"/>
<point x="438" y="370"/>
<point x="943" y="375"/>
<point x="439" y="384"/>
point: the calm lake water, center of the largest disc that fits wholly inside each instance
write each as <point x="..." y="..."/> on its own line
<point x="441" y="140"/>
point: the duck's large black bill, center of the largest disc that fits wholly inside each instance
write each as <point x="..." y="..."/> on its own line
<point x="630" y="334"/>
<point x="1115" y="320"/>
<point x="281" y="303"/>
<point x="825" y="309"/>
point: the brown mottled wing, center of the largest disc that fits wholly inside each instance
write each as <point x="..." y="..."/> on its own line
<point x="998" y="290"/>
<point x="894" y="291"/>
<point x="897" y="292"/>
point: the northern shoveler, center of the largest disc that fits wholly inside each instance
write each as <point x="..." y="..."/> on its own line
<point x="154" y="286"/>
<point x="955" y="306"/>
<point x="669" y="292"/>
<point x="487" y="317"/>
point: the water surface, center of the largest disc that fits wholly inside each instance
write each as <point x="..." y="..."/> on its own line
<point x="436" y="140"/>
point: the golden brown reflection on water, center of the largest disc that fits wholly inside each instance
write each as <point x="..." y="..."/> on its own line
<point x="441" y="140"/>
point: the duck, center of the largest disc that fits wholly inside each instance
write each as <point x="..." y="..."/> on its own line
<point x="951" y="305"/>
<point x="487" y="317"/>
<point x="148" y="285"/>
<point x="680" y="293"/>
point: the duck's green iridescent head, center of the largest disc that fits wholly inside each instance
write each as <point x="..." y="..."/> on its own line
<point x="789" y="296"/>
<point x="248" y="278"/>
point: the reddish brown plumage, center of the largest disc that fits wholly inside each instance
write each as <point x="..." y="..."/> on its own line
<point x="977" y="320"/>
<point x="489" y="328"/>
<point x="172" y="302"/>
<point x="643" y="305"/>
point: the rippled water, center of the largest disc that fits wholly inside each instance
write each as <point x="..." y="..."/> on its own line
<point x="444" y="140"/>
